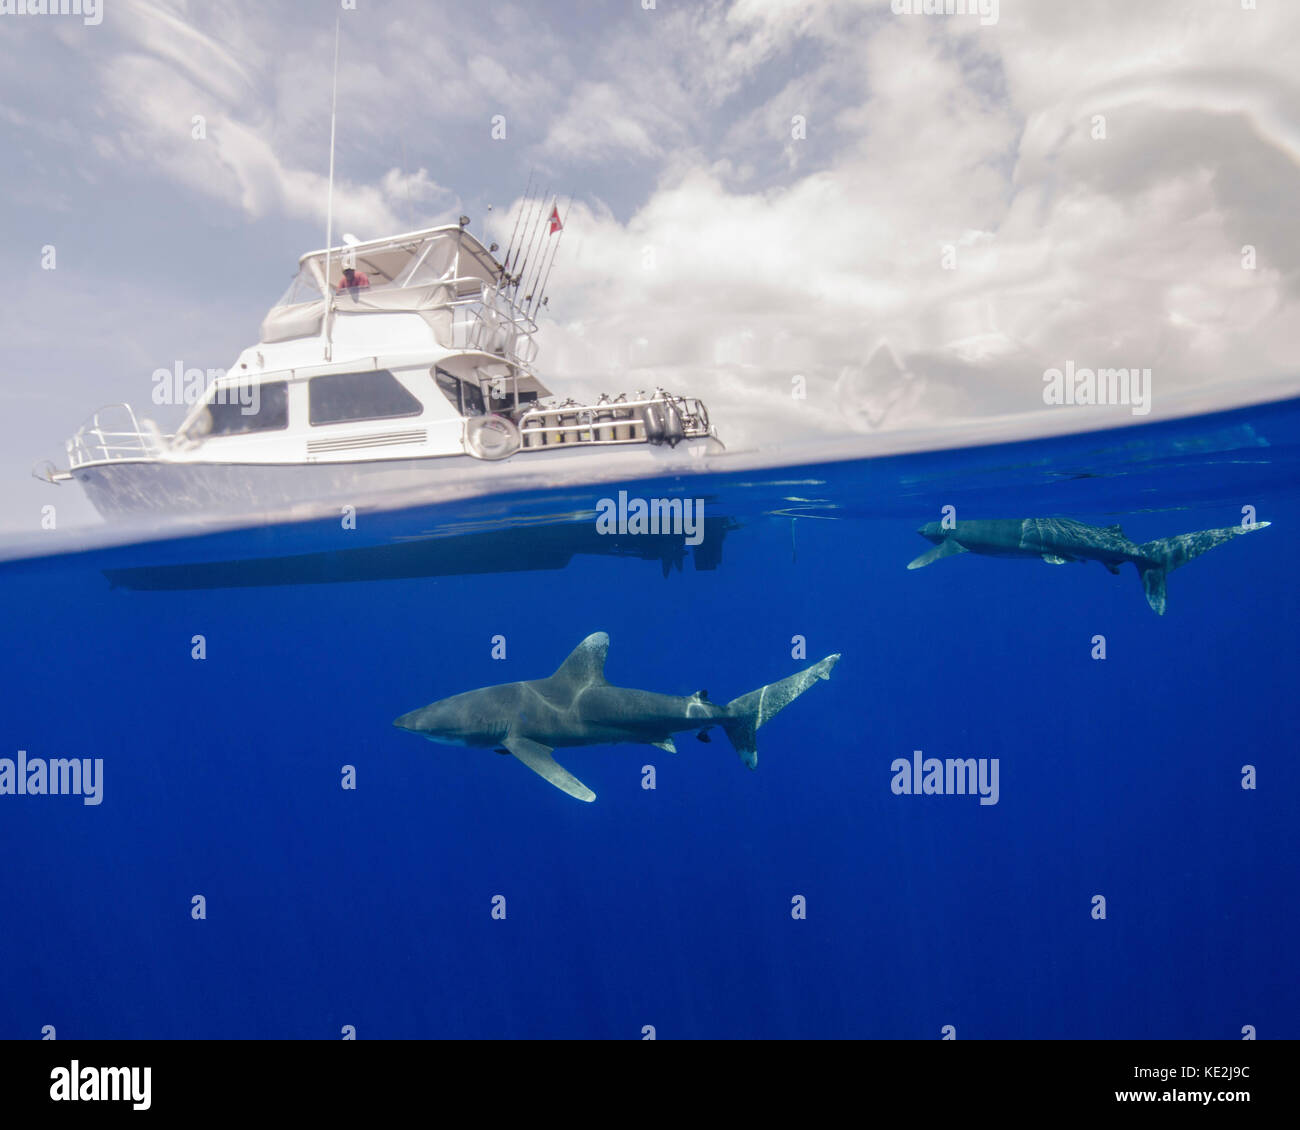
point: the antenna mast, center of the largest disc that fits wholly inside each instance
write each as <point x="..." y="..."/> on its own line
<point x="329" y="200"/>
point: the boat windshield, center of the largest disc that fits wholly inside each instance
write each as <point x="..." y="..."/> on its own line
<point x="304" y="288"/>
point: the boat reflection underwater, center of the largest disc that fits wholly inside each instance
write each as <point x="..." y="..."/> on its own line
<point x="511" y="549"/>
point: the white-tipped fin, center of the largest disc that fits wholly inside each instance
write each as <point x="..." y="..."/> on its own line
<point x="538" y="758"/>
<point x="586" y="662"/>
<point x="946" y="548"/>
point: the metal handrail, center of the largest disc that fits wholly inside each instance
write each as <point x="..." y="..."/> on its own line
<point x="545" y="421"/>
<point x="468" y="331"/>
<point x="453" y="285"/>
<point x="97" y="442"/>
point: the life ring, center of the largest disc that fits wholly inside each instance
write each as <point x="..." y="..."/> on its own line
<point x="492" y="437"/>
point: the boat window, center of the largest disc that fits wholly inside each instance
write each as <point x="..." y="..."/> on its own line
<point x="304" y="288"/>
<point x="375" y="395"/>
<point x="465" y="397"/>
<point x="239" y="409"/>
<point x="373" y="269"/>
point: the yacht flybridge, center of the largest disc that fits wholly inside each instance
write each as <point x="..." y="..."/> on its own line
<point x="386" y="364"/>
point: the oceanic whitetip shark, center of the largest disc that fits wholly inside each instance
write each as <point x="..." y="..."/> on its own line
<point x="1058" y="540"/>
<point x="576" y="707"/>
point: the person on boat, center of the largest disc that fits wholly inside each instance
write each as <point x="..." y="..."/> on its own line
<point x="353" y="280"/>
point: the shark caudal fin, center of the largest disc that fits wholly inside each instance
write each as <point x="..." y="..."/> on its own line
<point x="1161" y="557"/>
<point x="748" y="712"/>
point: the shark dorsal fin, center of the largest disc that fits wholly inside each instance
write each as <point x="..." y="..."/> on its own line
<point x="1115" y="530"/>
<point x="700" y="696"/>
<point x="586" y="662"/>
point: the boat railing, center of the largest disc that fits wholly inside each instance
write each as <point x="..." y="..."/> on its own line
<point x="478" y="323"/>
<point x="661" y="418"/>
<point x="113" y="433"/>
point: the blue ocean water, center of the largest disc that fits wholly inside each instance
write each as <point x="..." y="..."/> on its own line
<point x="676" y="909"/>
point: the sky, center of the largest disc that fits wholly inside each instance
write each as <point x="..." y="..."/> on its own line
<point x="908" y="217"/>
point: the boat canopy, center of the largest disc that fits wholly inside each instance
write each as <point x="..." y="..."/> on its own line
<point x="423" y="272"/>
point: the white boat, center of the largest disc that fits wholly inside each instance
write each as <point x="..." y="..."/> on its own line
<point x="419" y="373"/>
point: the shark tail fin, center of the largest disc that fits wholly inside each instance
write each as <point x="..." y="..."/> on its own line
<point x="1161" y="557"/>
<point x="1153" y="584"/>
<point x="748" y="712"/>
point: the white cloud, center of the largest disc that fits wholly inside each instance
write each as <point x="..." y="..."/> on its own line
<point x="602" y="122"/>
<point x="1118" y="252"/>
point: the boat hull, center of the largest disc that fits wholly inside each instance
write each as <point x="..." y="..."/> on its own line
<point x="128" y="488"/>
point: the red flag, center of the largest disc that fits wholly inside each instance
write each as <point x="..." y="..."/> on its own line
<point x="555" y="219"/>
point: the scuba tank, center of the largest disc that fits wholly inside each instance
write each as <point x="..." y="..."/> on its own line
<point x="653" y="416"/>
<point x="674" y="432"/>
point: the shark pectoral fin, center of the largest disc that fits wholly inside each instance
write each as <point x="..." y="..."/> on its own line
<point x="946" y="548"/>
<point x="666" y="744"/>
<point x="1052" y="559"/>
<point x="1112" y="568"/>
<point x="538" y="758"/>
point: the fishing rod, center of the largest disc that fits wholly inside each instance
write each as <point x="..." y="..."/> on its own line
<point x="525" y="241"/>
<point x="524" y="206"/>
<point x="564" y="224"/>
<point x="531" y="288"/>
<point x="518" y="216"/>
<point x="532" y="238"/>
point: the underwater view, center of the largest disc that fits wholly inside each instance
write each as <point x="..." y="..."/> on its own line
<point x="1028" y="799"/>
